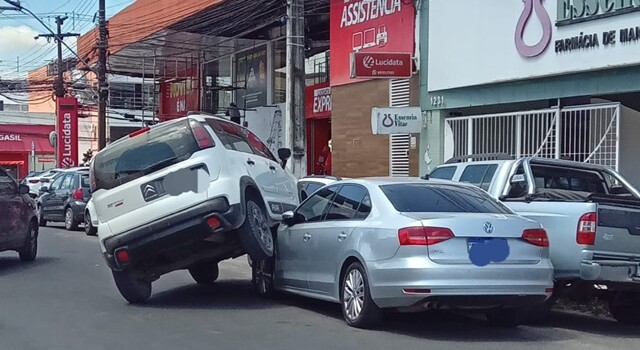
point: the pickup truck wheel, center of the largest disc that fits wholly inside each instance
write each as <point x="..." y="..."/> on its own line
<point x="205" y="273"/>
<point x="506" y="317"/>
<point x="133" y="289"/>
<point x="70" y="222"/>
<point x="255" y="233"/>
<point x="30" y="249"/>
<point x="625" y="308"/>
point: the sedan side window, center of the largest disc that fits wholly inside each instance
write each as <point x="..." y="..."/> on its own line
<point x="346" y="205"/>
<point x="57" y="182"/>
<point x="314" y="208"/>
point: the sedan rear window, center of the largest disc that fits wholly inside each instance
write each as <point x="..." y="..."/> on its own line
<point x="441" y="198"/>
<point x="133" y="157"/>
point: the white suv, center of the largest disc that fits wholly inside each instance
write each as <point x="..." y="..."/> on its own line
<point x="186" y="194"/>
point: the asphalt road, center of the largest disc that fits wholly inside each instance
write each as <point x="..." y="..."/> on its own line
<point x="67" y="300"/>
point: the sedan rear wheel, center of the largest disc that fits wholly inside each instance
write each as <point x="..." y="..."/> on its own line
<point x="70" y="222"/>
<point x="358" y="309"/>
<point x="262" y="277"/>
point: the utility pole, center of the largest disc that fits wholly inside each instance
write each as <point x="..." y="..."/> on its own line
<point x="103" y="91"/>
<point x="295" y="111"/>
<point x="59" y="37"/>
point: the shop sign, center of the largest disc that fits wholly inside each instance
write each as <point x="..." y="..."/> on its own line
<point x="10" y="137"/>
<point x="366" y="26"/>
<point x="251" y="72"/>
<point x="528" y="39"/>
<point x="381" y="65"/>
<point x="396" y="120"/>
<point x="318" y="101"/>
<point x="67" y="126"/>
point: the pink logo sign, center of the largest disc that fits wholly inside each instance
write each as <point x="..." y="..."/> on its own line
<point x="533" y="50"/>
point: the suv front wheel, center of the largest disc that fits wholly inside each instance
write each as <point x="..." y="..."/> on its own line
<point x="255" y="232"/>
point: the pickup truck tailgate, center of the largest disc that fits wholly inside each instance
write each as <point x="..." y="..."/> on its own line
<point x="618" y="231"/>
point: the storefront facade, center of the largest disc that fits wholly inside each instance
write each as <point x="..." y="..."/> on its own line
<point x="25" y="148"/>
<point x="553" y="78"/>
<point x="370" y="28"/>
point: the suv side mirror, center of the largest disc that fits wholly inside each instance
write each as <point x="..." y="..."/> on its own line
<point x="44" y="189"/>
<point x="23" y="189"/>
<point x="284" y="154"/>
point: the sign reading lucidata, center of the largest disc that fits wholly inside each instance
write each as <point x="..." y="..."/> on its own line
<point x="505" y="40"/>
<point x="396" y="120"/>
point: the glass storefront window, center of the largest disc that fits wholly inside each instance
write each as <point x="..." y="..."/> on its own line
<point x="279" y="71"/>
<point x="217" y="83"/>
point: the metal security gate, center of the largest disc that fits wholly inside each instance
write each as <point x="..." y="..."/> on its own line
<point x="399" y="94"/>
<point x="581" y="133"/>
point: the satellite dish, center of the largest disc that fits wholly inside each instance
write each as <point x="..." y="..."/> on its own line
<point x="53" y="138"/>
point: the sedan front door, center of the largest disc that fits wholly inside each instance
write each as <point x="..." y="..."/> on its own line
<point x="328" y="243"/>
<point x="292" y="264"/>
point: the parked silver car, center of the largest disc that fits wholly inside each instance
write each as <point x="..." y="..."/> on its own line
<point x="379" y="243"/>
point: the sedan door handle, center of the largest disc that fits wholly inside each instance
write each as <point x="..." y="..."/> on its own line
<point x="306" y="237"/>
<point x="342" y="236"/>
<point x="251" y="162"/>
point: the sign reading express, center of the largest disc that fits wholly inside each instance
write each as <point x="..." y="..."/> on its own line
<point x="366" y="26"/>
<point x="318" y="101"/>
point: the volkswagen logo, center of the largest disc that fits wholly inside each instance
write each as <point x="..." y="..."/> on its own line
<point x="487" y="227"/>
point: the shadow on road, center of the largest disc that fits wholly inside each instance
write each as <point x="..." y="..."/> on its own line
<point x="225" y="294"/>
<point x="12" y="265"/>
<point x="462" y="327"/>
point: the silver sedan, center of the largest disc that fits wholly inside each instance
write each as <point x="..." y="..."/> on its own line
<point x="381" y="243"/>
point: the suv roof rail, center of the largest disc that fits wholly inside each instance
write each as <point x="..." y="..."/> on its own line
<point x="480" y="157"/>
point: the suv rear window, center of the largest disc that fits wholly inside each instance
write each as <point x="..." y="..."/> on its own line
<point x="133" y="157"/>
<point x="440" y="198"/>
<point x="444" y="173"/>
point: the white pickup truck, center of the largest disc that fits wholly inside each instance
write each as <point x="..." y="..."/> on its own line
<point x="590" y="212"/>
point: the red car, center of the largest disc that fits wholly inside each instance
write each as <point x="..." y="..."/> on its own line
<point x="18" y="221"/>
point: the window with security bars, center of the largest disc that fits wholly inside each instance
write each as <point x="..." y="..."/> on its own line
<point x="399" y="93"/>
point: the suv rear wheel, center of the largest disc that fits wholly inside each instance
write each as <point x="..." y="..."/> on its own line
<point x="41" y="220"/>
<point x="205" y="273"/>
<point x="132" y="288"/>
<point x="89" y="230"/>
<point x="255" y="232"/>
<point x="30" y="249"/>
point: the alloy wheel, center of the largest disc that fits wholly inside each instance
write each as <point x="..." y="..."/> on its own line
<point x="264" y="232"/>
<point x="68" y="216"/>
<point x="353" y="294"/>
<point x="263" y="277"/>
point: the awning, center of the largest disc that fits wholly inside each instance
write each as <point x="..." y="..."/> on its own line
<point x="11" y="162"/>
<point x="41" y="146"/>
<point x="19" y="138"/>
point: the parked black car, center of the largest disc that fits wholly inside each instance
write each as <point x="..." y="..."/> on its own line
<point x="18" y="221"/>
<point x="65" y="199"/>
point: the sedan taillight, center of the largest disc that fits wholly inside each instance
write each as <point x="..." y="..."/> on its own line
<point x="536" y="236"/>
<point x="423" y="235"/>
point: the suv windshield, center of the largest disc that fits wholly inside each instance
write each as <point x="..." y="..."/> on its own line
<point x="142" y="154"/>
<point x="431" y="198"/>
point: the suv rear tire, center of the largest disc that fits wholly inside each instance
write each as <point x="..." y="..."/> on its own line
<point x="41" y="220"/>
<point x="205" y="273"/>
<point x="255" y="233"/>
<point x="133" y="289"/>
<point x="89" y="230"/>
<point x="30" y="249"/>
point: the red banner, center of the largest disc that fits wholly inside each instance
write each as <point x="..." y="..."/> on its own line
<point x="178" y="98"/>
<point x="67" y="131"/>
<point x="381" y="65"/>
<point x="318" y="101"/>
<point x="383" y="26"/>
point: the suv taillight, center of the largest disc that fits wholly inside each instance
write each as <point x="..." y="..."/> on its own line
<point x="78" y="194"/>
<point x="586" y="233"/>
<point x="203" y="138"/>
<point x="536" y="236"/>
<point x="423" y="235"/>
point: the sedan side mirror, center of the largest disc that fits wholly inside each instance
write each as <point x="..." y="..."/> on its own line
<point x="284" y="154"/>
<point x="23" y="189"/>
<point x="290" y="218"/>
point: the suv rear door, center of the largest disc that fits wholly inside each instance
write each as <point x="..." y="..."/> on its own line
<point x="129" y="176"/>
